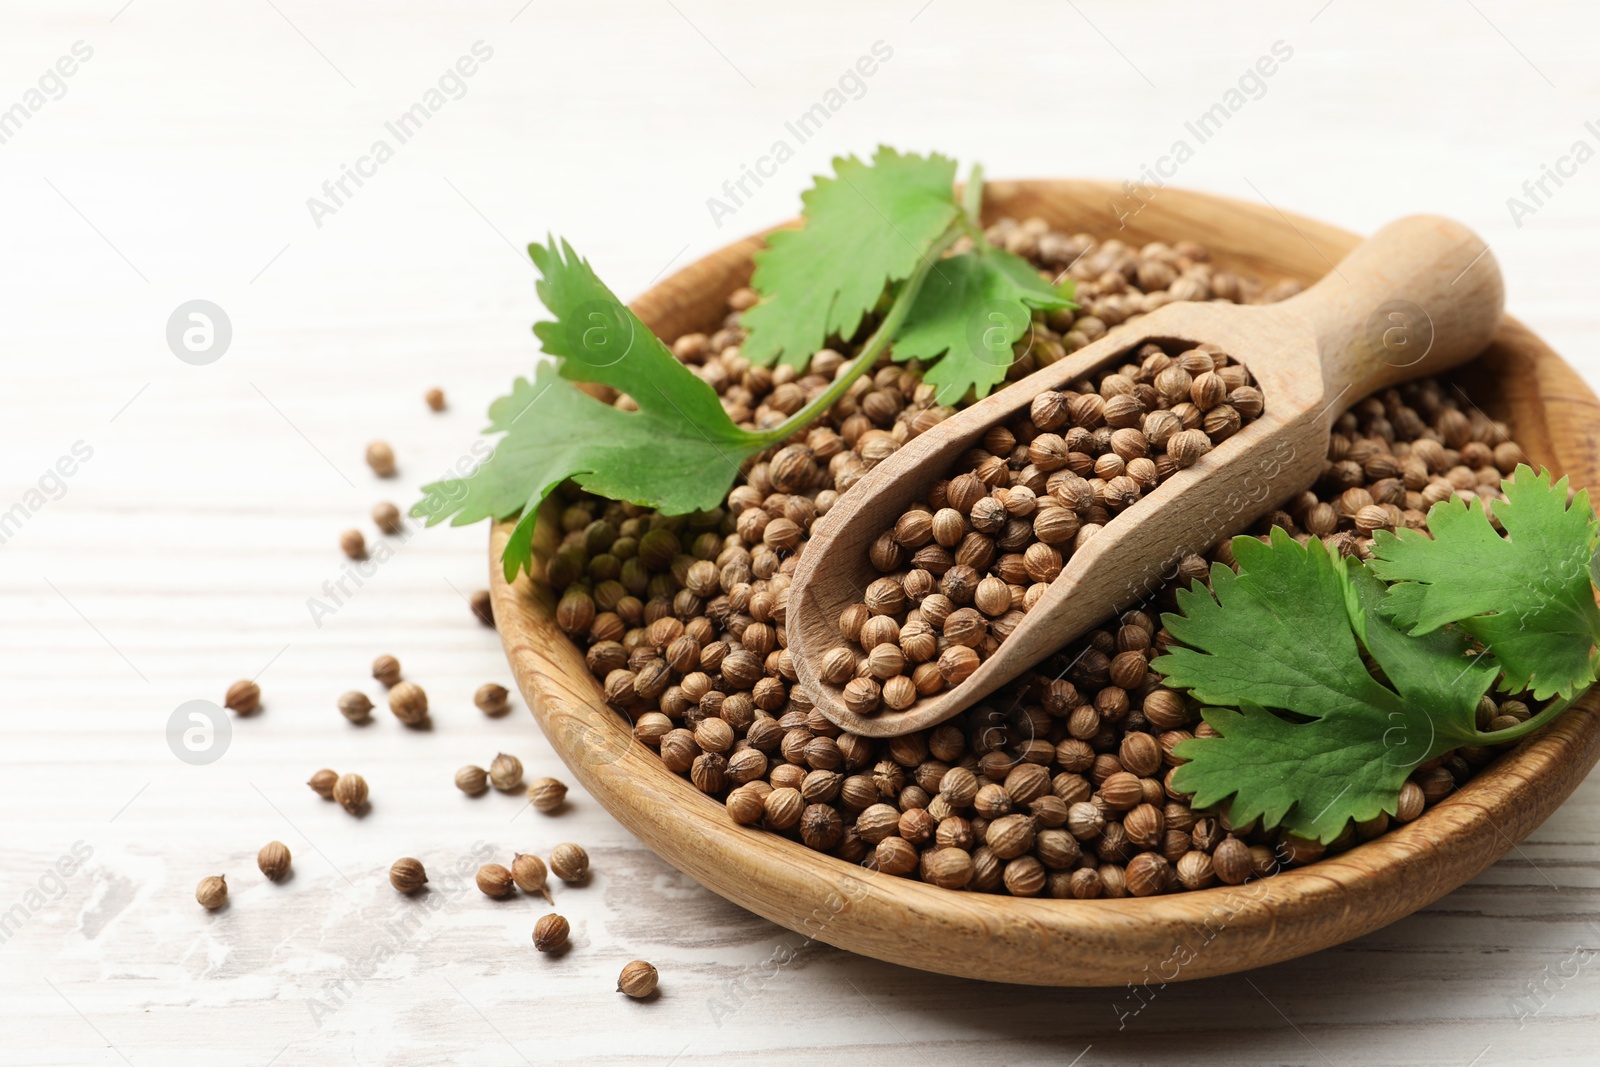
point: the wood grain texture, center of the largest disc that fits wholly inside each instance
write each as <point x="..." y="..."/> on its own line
<point x="1051" y="942"/>
<point x="1312" y="357"/>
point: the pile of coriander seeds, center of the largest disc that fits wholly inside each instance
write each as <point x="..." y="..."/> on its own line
<point x="962" y="568"/>
<point x="1057" y="785"/>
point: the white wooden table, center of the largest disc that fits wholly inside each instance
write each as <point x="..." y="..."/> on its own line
<point x="176" y="163"/>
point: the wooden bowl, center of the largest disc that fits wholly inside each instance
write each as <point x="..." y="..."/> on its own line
<point x="1077" y="942"/>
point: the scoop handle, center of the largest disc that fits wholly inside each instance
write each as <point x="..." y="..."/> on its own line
<point x="1422" y="295"/>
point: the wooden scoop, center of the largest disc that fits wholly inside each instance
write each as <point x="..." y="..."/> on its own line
<point x="1424" y="294"/>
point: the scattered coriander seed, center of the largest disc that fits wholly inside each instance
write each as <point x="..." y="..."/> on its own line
<point x="529" y="873"/>
<point x="638" y="980"/>
<point x="386" y="517"/>
<point x="409" y="703"/>
<point x="550" y="933"/>
<point x="547" y="794"/>
<point x="212" y="893"/>
<point x="491" y="699"/>
<point x="494" y="880"/>
<point x="482" y="606"/>
<point x="380" y="457"/>
<point x="472" y="780"/>
<point x="356" y="706"/>
<point x="244" y="697"/>
<point x="434" y="398"/>
<point x="322" y="783"/>
<point x="407" y="875"/>
<point x="351" y="793"/>
<point x="273" y="859"/>
<point x="505" y="773"/>
<point x="353" y="544"/>
<point x="569" y="862"/>
<point x="386" y="669"/>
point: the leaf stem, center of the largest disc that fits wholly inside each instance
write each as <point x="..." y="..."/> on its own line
<point x="972" y="197"/>
<point x="1523" y="729"/>
<point x="876" y="344"/>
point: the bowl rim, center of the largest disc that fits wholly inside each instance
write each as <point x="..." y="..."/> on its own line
<point x="1102" y="942"/>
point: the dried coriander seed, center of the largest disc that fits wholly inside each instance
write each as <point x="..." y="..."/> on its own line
<point x="745" y="806"/>
<point x="575" y="612"/>
<point x="838" y="665"/>
<point x="1144" y="826"/>
<point x="472" y="780"/>
<point x="386" y="669"/>
<point x="638" y="980"/>
<point x="212" y="892"/>
<point x="380" y="457"/>
<point x="548" y="794"/>
<point x="1411" y="802"/>
<point x="1024" y="877"/>
<point x="273" y="859"/>
<point x="386" y="517"/>
<point x="1122" y="791"/>
<point x="900" y="692"/>
<point x="322" y="783"/>
<point x="784" y="806"/>
<point x="862" y="695"/>
<point x="352" y="544"/>
<point x="550" y="933"/>
<point x="569" y="862"/>
<point x="895" y="856"/>
<point x="709" y="772"/>
<point x="505" y="773"/>
<point x="351" y="793"/>
<point x="409" y="703"/>
<point x="1147" y="874"/>
<point x="1231" y="861"/>
<point x="243" y="698"/>
<point x="356" y="706"/>
<point x="482" y="606"/>
<point x="1195" y="870"/>
<point x="1187" y="446"/>
<point x="434" y="398"/>
<point x="529" y="873"/>
<point x="494" y="880"/>
<point x="950" y="868"/>
<point x="491" y="699"/>
<point x="1010" y="836"/>
<point x="408" y="875"/>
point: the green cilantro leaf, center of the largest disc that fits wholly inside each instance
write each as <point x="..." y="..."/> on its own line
<point x="1275" y="634"/>
<point x="678" y="452"/>
<point x="1282" y="636"/>
<point x="1439" y="673"/>
<point x="865" y="228"/>
<point x="972" y="309"/>
<point x="1527" y="596"/>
